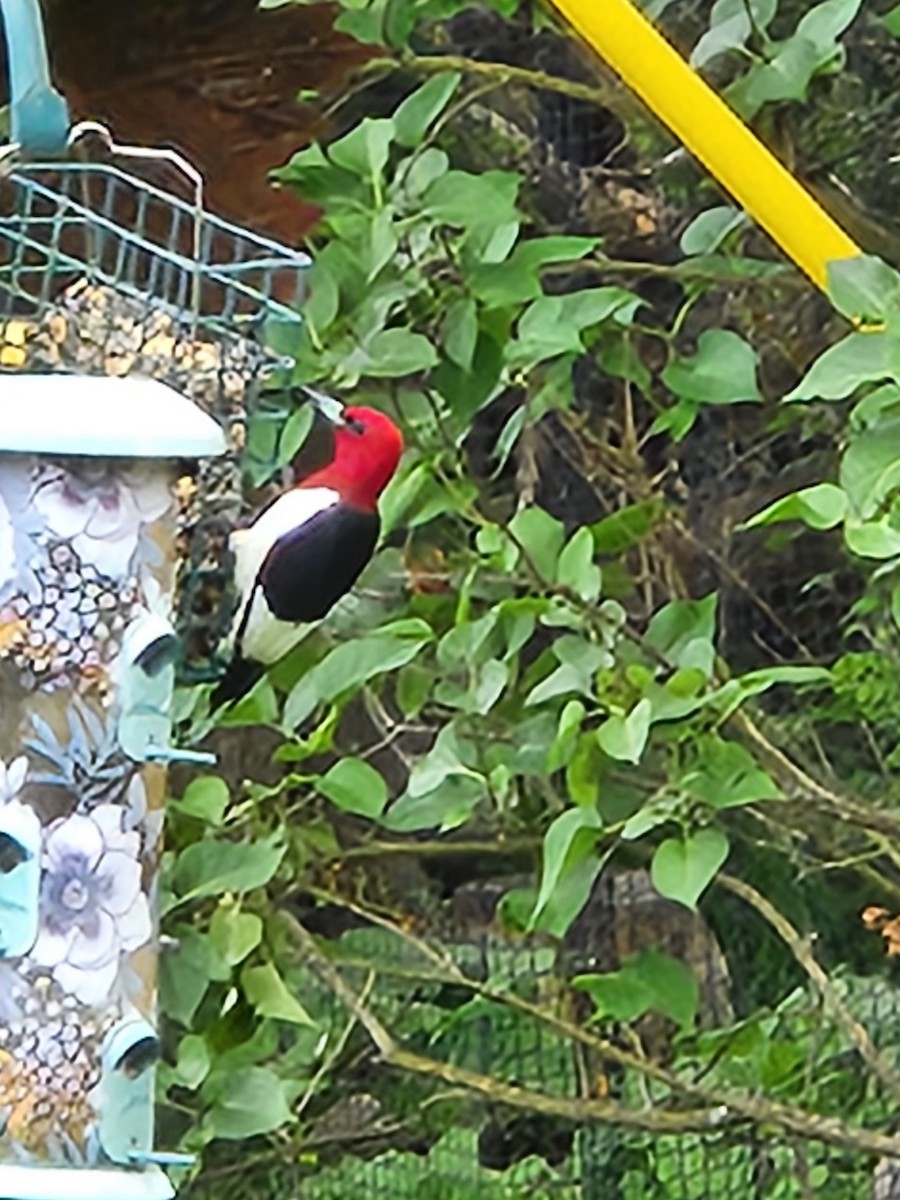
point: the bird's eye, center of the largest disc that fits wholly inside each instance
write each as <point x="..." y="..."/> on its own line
<point x="354" y="426"/>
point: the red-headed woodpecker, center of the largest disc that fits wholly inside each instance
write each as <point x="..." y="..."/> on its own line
<point x="307" y="548"/>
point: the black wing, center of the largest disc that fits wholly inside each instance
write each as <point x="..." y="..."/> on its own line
<point x="309" y="569"/>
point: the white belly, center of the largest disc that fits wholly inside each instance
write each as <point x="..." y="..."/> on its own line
<point x="265" y="639"/>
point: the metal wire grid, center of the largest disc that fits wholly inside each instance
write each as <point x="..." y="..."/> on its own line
<point x="95" y="220"/>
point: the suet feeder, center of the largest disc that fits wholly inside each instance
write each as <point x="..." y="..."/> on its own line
<point x="132" y="337"/>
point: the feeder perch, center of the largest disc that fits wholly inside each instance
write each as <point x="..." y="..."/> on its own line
<point x="132" y="340"/>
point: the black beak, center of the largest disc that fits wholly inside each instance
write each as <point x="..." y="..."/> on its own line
<point x="332" y="410"/>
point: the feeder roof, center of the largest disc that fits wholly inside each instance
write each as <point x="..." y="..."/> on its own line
<point x="103" y="416"/>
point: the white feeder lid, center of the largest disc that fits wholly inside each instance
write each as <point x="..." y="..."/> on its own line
<point x="103" y="416"/>
<point x="39" y="1182"/>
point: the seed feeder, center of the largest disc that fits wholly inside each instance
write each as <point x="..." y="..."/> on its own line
<point x="132" y="327"/>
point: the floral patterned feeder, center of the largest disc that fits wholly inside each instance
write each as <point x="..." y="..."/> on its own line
<point x="87" y="568"/>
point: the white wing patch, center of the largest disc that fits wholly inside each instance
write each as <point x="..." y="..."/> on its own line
<point x="265" y="639"/>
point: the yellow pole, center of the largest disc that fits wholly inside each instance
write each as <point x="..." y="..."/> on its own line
<point x="712" y="132"/>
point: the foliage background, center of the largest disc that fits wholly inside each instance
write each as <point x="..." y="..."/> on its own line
<point x="540" y="868"/>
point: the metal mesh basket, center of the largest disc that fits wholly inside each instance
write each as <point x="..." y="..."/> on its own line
<point x="97" y="221"/>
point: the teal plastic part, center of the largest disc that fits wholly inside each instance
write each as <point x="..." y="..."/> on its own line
<point x="39" y="116"/>
<point x="163" y="1158"/>
<point x="146" y="686"/>
<point x="125" y="1124"/>
<point x="103" y="416"/>
<point x="172" y="754"/>
<point x="20" y="879"/>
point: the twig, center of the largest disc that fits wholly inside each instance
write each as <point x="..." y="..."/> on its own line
<point x="339" y="1047"/>
<point x="502" y="847"/>
<point x="605" y="95"/>
<point x="798" y="785"/>
<point x="805" y="958"/>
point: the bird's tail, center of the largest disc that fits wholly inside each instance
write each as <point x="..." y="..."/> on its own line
<point x="238" y="679"/>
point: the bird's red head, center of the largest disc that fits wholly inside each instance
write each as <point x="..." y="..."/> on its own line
<point x="367" y="450"/>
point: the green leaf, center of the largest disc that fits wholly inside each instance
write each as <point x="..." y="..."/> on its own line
<point x="353" y="663"/>
<point x="570" y="840"/>
<point x="628" y="527"/>
<point x="554" y="325"/>
<point x="882" y="402"/>
<point x="294" y="433"/>
<point x="259" y="706"/>
<point x="624" y="738"/>
<point x="679" y="697"/>
<point x="492" y="243"/>
<point x="891" y="21"/>
<point x="460" y="332"/>
<point x="414" y="686"/>
<point x="710" y="228"/>
<point x="726" y="776"/>
<point x="870" y="468"/>
<point x="786" y="77"/>
<point x="365" y="149"/>
<point x="470" y="201"/>
<point x="245" y="1103"/>
<point x="583" y="773"/>
<point x="650" y="816"/>
<point x="205" y="798"/>
<point x="567" y="734"/>
<point x="424" y="170"/>
<point x="820" y="507"/>
<point x="677" y="420"/>
<point x="463" y="643"/>
<point x="730" y="24"/>
<point x="209" y="868"/>
<point x="683" y="868"/>
<point x="323" y="301"/>
<point x="650" y="982"/>
<point x="683" y="632"/>
<point x="193" y="1062"/>
<point x="418" y="112"/>
<point x="542" y="537"/>
<point x="447" y="806"/>
<point x="355" y="787"/>
<point x="766" y="677"/>
<point x="518" y="280"/>
<point x="872" y="539"/>
<point x="576" y="568"/>
<point x="490" y="682"/>
<point x="446" y="758"/>
<point x="186" y="973"/>
<point x="863" y="287"/>
<point x="860" y="358"/>
<point x="723" y="371"/>
<point x="269" y="995"/>
<point x="396" y="352"/>
<point x="568" y="898"/>
<point x="382" y="243"/>
<point x="365" y="24"/>
<point x="234" y="934"/>
<point x="560" y="682"/>
<point x="824" y="22"/>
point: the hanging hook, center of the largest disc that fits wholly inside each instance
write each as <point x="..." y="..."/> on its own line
<point x="39" y="115"/>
